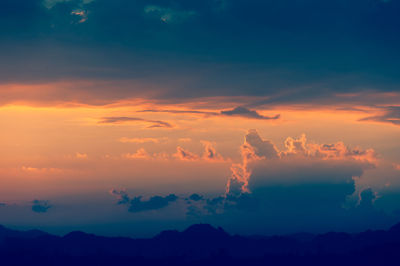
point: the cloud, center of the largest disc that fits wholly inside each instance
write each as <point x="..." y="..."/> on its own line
<point x="264" y="64"/>
<point x="391" y="115"/>
<point x="237" y="112"/>
<point x="210" y="152"/>
<point x="154" y="203"/>
<point x="139" y="140"/>
<point x="139" y="154"/>
<point x="121" y="195"/>
<point x="124" y="119"/>
<point x="244" y="112"/>
<point x="79" y="155"/>
<point x="260" y="147"/>
<point x="136" y="204"/>
<point x="185" y="155"/>
<point x="300" y="163"/>
<point x="81" y="14"/>
<point x="195" y="197"/>
<point x="40" y="206"/>
<point x="41" y="170"/>
<point x="367" y="198"/>
<point x="179" y="112"/>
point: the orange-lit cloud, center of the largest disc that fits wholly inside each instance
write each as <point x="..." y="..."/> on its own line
<point x="185" y="155"/>
<point x="210" y="152"/>
<point x="140" y="140"/>
<point x="298" y="152"/>
<point x="139" y="154"/>
<point x="81" y="155"/>
<point x="124" y="119"/>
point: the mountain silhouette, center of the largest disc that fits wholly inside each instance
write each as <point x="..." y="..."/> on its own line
<point x="200" y="244"/>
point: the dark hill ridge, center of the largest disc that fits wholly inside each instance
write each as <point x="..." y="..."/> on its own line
<point x="200" y="244"/>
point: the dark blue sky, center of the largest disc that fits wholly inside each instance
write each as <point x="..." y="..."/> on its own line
<point x="292" y="50"/>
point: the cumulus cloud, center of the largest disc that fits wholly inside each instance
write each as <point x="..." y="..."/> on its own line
<point x="137" y="204"/>
<point x="185" y="155"/>
<point x="305" y="181"/>
<point x="260" y="148"/>
<point x="195" y="197"/>
<point x="40" y="206"/>
<point x="139" y="154"/>
<point x="125" y="119"/>
<point x="210" y="152"/>
<point x="263" y="165"/>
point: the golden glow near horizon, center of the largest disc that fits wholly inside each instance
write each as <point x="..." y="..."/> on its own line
<point x="54" y="150"/>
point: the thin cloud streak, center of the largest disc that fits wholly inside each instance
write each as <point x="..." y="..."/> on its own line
<point x="390" y="115"/>
<point x="237" y="112"/>
<point x="125" y="119"/>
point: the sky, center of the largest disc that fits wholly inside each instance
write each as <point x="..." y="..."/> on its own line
<point x="263" y="117"/>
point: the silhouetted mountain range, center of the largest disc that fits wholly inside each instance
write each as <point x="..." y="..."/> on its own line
<point x="200" y="244"/>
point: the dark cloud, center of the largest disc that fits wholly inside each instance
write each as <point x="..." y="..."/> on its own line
<point x="40" y="206"/>
<point x="136" y="204"/>
<point x="367" y="198"/>
<point x="305" y="51"/>
<point x="121" y="195"/>
<point x="154" y="203"/>
<point x="238" y="112"/>
<point x="391" y="114"/>
<point x="244" y="112"/>
<point x="195" y="197"/>
<point x="262" y="148"/>
<point x="124" y="119"/>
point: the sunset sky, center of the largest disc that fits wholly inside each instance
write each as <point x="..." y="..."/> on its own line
<point x="127" y="117"/>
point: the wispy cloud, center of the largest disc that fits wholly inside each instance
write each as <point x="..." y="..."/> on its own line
<point x="125" y="119"/>
<point x="237" y="112"/>
<point x="391" y="114"/>
<point x="139" y="140"/>
<point x="244" y="112"/>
